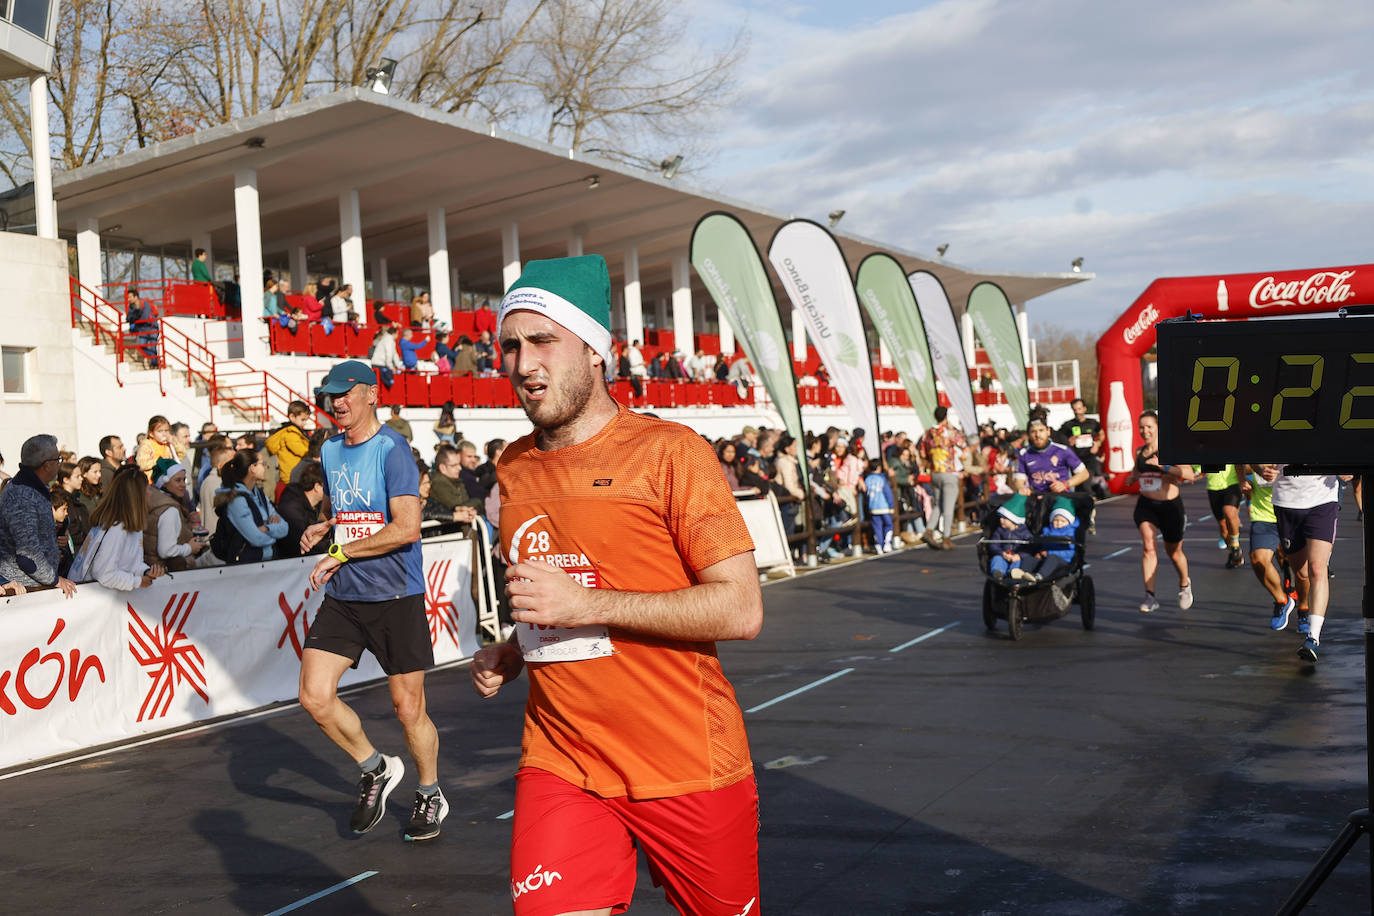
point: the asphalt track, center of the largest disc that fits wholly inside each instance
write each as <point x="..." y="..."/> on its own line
<point x="908" y="762"/>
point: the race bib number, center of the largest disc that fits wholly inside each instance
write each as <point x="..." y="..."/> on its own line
<point x="354" y="526"/>
<point x="563" y="644"/>
<point x="1151" y="483"/>
<point x="1083" y="441"/>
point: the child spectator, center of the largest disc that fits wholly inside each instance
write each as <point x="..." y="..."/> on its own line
<point x="1063" y="523"/>
<point x="113" y="552"/>
<point x="1012" y="520"/>
<point x="880" y="504"/>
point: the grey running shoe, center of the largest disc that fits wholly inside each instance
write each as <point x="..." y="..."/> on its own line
<point x="425" y="817"/>
<point x="373" y="790"/>
<point x="1185" y="597"/>
<point x="1149" y="604"/>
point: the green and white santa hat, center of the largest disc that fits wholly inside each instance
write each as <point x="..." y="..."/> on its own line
<point x="575" y="292"/>
<point x="1014" y="509"/>
<point x="1063" y="507"/>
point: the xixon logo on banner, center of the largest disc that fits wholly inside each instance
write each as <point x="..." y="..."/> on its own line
<point x="108" y="665"/>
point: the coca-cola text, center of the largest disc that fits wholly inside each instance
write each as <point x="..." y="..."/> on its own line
<point x="1323" y="287"/>
<point x="1144" y="322"/>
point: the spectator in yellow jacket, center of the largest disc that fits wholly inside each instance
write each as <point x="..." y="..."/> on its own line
<point x="290" y="442"/>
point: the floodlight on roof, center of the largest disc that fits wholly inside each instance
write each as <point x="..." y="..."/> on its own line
<point x="1077" y="265"/>
<point x="835" y="217"/>
<point x="941" y="249"/>
<point x="670" y="166"/>
<point x="379" y="77"/>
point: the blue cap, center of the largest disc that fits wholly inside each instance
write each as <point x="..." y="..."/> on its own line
<point x="344" y="376"/>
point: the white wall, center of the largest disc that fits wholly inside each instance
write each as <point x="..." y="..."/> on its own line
<point x="35" y="312"/>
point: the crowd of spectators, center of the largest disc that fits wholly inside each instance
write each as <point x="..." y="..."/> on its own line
<point x="123" y="518"/>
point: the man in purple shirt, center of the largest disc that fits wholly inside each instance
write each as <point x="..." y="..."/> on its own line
<point x="1045" y="466"/>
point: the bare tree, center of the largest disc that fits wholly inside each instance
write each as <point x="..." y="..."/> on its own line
<point x="1053" y="343"/>
<point x="614" y="75"/>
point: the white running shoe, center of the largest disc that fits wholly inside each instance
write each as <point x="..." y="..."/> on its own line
<point x="1185" y="596"/>
<point x="1149" y="604"/>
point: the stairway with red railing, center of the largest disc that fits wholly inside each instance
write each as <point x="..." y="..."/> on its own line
<point x="255" y="395"/>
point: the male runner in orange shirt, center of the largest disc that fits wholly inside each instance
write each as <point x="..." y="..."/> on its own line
<point x="628" y="560"/>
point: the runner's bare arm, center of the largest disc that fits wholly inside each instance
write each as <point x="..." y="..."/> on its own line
<point x="726" y="604"/>
<point x="1079" y="476"/>
<point x="495" y="665"/>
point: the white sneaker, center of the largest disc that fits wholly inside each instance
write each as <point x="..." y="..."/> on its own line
<point x="1185" y="597"/>
<point x="1149" y="604"/>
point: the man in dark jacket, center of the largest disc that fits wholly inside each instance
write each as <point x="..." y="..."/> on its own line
<point x="448" y="486"/>
<point x="113" y="456"/>
<point x="299" y="507"/>
<point x="28" y="532"/>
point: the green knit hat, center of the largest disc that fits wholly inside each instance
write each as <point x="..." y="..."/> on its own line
<point x="575" y="292"/>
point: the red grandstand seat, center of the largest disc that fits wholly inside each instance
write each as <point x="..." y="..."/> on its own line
<point x="393" y="395"/>
<point x="460" y="389"/>
<point x="417" y="389"/>
<point x="483" y="392"/>
<point x="192" y="299"/>
<point x="358" y="344"/>
<point x="440" y="389"/>
<point x="330" y="344"/>
<point x="464" y="323"/>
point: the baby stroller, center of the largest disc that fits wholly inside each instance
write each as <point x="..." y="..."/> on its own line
<point x="1020" y="601"/>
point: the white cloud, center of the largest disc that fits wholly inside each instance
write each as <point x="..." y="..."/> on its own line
<point x="1152" y="139"/>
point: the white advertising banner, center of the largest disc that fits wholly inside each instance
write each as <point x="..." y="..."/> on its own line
<point x="946" y="349"/>
<point x="109" y="665"/>
<point x="814" y="273"/>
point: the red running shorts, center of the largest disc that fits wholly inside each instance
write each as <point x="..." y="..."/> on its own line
<point x="573" y="850"/>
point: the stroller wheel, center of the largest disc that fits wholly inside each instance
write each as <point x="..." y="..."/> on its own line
<point x="1087" y="602"/>
<point x="989" y="615"/>
<point x="1014" y="615"/>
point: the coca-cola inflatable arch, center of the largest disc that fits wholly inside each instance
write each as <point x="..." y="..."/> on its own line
<point x="1231" y="296"/>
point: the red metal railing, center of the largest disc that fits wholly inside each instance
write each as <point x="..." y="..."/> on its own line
<point x="251" y="392"/>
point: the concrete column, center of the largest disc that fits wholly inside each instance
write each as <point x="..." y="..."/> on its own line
<point x="296" y="264"/>
<point x="575" y="245"/>
<point x="88" y="257"/>
<point x="455" y="290"/>
<point x="45" y="211"/>
<point x="202" y="240"/>
<point x="381" y="279"/>
<point x="683" y="330"/>
<point x="351" y="251"/>
<point x="439" y="293"/>
<point x="510" y="255"/>
<point x="618" y="314"/>
<point x="248" y="228"/>
<point x="884" y="357"/>
<point x="966" y="334"/>
<point x="634" y="308"/>
<point x="798" y="336"/>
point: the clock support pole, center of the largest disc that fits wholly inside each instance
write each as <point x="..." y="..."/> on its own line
<point x="1357" y="824"/>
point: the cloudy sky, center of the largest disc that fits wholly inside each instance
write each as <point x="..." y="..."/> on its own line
<point x="1156" y="139"/>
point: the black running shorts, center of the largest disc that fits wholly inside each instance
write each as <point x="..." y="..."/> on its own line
<point x="396" y="632"/>
<point x="1165" y="514"/>
<point x="1220" y="499"/>
<point x="1298" y="526"/>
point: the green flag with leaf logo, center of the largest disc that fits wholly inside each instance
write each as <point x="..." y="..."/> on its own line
<point x="994" y="323"/>
<point x="884" y="291"/>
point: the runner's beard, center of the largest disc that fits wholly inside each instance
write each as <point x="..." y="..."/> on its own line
<point x="565" y="399"/>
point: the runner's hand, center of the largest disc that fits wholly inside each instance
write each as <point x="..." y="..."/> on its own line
<point x="1058" y="486"/>
<point x="545" y="595"/>
<point x="312" y="535"/>
<point x="493" y="666"/>
<point x="323" y="571"/>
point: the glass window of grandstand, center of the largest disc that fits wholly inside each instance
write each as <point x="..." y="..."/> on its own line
<point x="16" y="363"/>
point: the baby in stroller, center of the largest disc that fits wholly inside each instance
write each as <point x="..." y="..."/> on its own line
<point x="1018" y="559"/>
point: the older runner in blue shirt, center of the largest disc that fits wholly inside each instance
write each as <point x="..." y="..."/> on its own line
<point x="374" y="599"/>
<point x="1045" y="466"/>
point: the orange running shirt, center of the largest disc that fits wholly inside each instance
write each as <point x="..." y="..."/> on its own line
<point x="638" y="507"/>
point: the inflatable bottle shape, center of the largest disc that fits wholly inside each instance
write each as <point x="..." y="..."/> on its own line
<point x="1119" y="437"/>
<point x="1222" y="298"/>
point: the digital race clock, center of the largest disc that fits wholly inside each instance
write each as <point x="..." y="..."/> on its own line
<point x="1299" y="391"/>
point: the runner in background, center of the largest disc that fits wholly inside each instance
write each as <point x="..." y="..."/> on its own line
<point x="629" y="559"/>
<point x="1223" y="493"/>
<point x="1159" y="511"/>
<point x="1264" y="545"/>
<point x="1306" y="508"/>
<point x="1084" y="435"/>
<point x="374" y="599"/>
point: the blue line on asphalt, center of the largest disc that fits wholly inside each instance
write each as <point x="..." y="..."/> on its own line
<point x="1116" y="553"/>
<point x="922" y="638"/>
<point x="324" y="893"/>
<point x="790" y="694"/>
